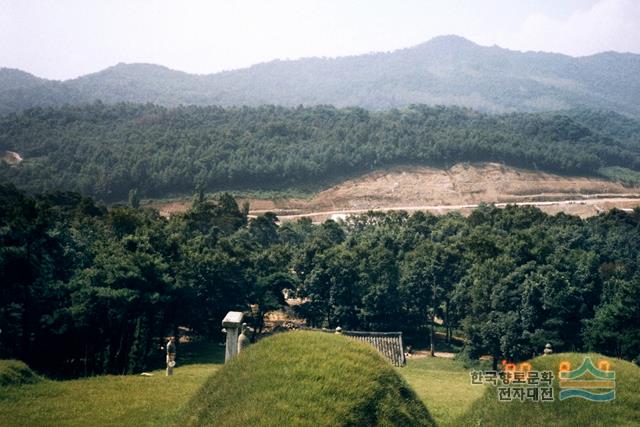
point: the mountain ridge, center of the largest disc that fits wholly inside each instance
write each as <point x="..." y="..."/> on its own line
<point x="448" y="37"/>
<point x="446" y="70"/>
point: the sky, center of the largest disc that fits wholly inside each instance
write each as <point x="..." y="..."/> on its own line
<point x="62" y="39"/>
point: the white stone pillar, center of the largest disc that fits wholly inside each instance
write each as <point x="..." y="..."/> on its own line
<point x="232" y="323"/>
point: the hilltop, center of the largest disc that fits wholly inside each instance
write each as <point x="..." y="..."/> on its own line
<point x="307" y="378"/>
<point x="447" y="70"/>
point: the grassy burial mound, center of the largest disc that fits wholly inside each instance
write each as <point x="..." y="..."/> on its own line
<point x="15" y="372"/>
<point x="307" y="378"/>
<point x="624" y="410"/>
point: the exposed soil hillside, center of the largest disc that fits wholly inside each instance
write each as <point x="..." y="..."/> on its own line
<point x="461" y="187"/>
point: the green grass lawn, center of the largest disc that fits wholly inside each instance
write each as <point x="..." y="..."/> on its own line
<point x="443" y="385"/>
<point x="128" y="400"/>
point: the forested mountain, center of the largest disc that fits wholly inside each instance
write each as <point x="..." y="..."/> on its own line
<point x="447" y="70"/>
<point x="105" y="150"/>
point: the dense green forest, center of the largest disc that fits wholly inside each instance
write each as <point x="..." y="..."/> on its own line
<point x="88" y="290"/>
<point x="104" y="151"/>
<point x="446" y="70"/>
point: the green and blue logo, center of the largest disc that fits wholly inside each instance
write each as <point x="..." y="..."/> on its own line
<point x="589" y="382"/>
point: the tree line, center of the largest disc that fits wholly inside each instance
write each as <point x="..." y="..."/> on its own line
<point x="89" y="290"/>
<point x="102" y="150"/>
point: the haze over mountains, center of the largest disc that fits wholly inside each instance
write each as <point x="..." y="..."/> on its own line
<point x="446" y="70"/>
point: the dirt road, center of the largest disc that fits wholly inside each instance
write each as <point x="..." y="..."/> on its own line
<point x="581" y="207"/>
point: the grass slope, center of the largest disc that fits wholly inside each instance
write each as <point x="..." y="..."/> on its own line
<point x="623" y="411"/>
<point x="308" y="379"/>
<point x="15" y="372"/>
<point x="111" y="400"/>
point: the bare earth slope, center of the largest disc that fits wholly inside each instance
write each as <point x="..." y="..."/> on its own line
<point x="461" y="187"/>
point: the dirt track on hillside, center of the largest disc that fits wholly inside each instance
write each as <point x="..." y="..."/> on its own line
<point x="461" y="187"/>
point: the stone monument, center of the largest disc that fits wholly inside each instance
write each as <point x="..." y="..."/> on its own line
<point x="231" y="323"/>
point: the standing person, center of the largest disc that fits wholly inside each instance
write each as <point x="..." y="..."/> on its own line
<point x="171" y="355"/>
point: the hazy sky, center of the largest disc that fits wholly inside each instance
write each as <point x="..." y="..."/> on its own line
<point x="66" y="38"/>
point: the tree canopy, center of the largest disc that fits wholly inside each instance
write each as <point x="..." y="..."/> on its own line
<point x="87" y="290"/>
<point x="128" y="151"/>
